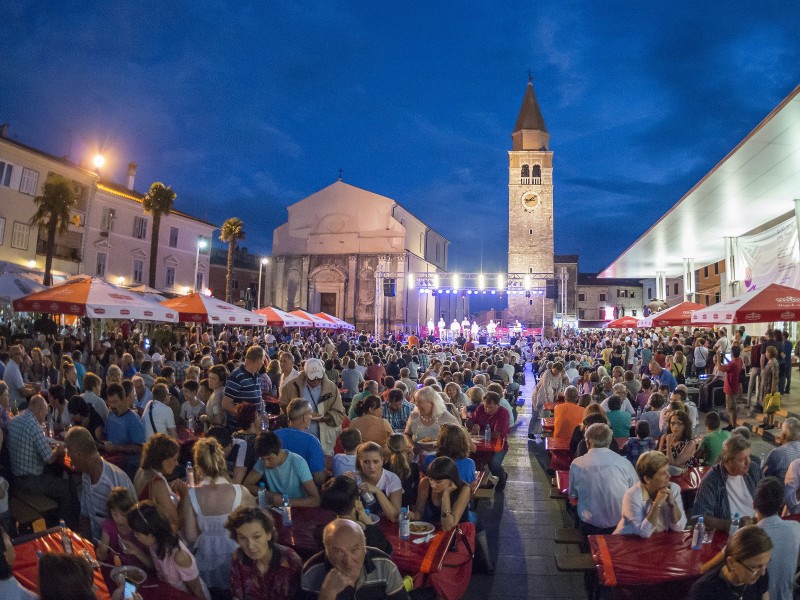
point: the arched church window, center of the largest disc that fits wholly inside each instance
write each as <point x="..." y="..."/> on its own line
<point x="536" y="174"/>
<point x="525" y="175"/>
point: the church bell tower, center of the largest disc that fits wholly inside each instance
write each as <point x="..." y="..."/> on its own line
<point x="530" y="214"/>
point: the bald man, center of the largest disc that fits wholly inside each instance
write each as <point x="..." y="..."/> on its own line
<point x="99" y="477"/>
<point x="352" y="569"/>
<point x="31" y="454"/>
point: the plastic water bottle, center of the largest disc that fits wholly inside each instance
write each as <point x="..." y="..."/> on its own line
<point x="405" y="524"/>
<point x="263" y="420"/>
<point x="190" y="474"/>
<point x="262" y="496"/>
<point x="638" y="413"/>
<point x="697" y="534"/>
<point x="287" y="512"/>
<point x="66" y="540"/>
<point x="763" y="459"/>
<point x="191" y="424"/>
<point x="45" y="383"/>
<point x="734" y="525"/>
<point x="487" y="434"/>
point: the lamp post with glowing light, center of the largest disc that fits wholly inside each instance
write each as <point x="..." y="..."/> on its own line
<point x="262" y="266"/>
<point x="98" y="161"/>
<point x="200" y="244"/>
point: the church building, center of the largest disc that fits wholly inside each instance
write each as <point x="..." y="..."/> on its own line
<point x="356" y="255"/>
<point x="530" y="217"/>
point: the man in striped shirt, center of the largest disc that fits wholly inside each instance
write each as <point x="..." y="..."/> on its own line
<point x="244" y="385"/>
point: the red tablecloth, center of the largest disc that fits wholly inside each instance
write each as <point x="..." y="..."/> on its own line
<point x="305" y="537"/>
<point x="484" y="452"/>
<point x="409" y="557"/>
<point x="26" y="564"/>
<point x="639" y="567"/>
<point x="151" y="589"/>
<point x="560" y="455"/>
<point x="689" y="480"/>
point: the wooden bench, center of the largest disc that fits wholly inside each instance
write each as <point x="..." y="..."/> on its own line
<point x="30" y="510"/>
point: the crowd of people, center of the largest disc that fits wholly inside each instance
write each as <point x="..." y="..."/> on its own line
<point x="166" y="456"/>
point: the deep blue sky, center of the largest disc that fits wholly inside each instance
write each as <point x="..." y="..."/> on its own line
<point x="245" y="108"/>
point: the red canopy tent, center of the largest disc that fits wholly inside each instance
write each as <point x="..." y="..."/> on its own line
<point x="197" y="308"/>
<point x="773" y="303"/>
<point x="338" y="322"/>
<point x="676" y="316"/>
<point x="623" y="323"/>
<point x="96" y="299"/>
<point x="315" y="320"/>
<point x="278" y="318"/>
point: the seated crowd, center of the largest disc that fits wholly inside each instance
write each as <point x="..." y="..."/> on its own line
<point x="169" y="459"/>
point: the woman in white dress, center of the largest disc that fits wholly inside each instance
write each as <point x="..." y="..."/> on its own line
<point x="205" y="509"/>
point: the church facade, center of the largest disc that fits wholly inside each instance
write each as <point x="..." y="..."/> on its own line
<point x="348" y="252"/>
<point x="530" y="216"/>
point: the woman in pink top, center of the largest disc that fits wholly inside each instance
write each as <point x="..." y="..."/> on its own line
<point x="168" y="555"/>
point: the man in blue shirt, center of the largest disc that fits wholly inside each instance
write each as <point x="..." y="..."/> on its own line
<point x="660" y="376"/>
<point x="296" y="439"/>
<point x="124" y="430"/>
<point x="397" y="410"/>
<point x="244" y="385"/>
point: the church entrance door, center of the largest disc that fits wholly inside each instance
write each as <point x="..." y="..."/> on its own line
<point x="327" y="303"/>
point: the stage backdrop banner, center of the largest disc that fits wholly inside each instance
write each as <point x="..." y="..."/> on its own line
<point x="772" y="256"/>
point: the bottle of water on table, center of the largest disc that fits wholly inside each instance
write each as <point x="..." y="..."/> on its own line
<point x="697" y="534"/>
<point x="405" y="524"/>
<point x="262" y="496"/>
<point x="735" y="522"/>
<point x="190" y="474"/>
<point x="66" y="540"/>
<point x="487" y="434"/>
<point x="287" y="511"/>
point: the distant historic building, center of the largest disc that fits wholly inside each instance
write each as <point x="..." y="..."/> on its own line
<point x="349" y="252"/>
<point x="530" y="214"/>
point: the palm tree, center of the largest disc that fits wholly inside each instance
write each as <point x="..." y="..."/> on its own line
<point x="157" y="202"/>
<point x="52" y="212"/>
<point x="232" y="231"/>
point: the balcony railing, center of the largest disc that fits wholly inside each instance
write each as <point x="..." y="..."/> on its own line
<point x="530" y="181"/>
<point x="61" y="252"/>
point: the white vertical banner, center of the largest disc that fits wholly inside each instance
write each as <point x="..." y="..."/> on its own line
<point x="772" y="256"/>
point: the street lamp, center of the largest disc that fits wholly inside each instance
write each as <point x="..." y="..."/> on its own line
<point x="264" y="263"/>
<point x="98" y="161"/>
<point x="201" y="243"/>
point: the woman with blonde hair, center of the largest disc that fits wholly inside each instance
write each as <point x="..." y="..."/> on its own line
<point x="205" y="510"/>
<point x="428" y="416"/>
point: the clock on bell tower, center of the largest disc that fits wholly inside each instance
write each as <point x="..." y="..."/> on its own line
<point x="530" y="213"/>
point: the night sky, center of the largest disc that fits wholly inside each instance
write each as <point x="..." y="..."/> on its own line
<point x="246" y="108"/>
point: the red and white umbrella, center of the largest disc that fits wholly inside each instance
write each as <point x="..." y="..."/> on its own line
<point x="197" y="308"/>
<point x="773" y="303"/>
<point x="675" y="316"/>
<point x="315" y="320"/>
<point x="278" y="318"/>
<point x="336" y="321"/>
<point x="623" y="323"/>
<point x="94" y="298"/>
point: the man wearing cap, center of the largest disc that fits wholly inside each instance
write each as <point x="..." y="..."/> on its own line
<point x="244" y="385"/>
<point x="326" y="402"/>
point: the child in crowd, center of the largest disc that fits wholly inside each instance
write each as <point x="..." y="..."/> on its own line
<point x="636" y="446"/>
<point x="400" y="463"/>
<point x="167" y="554"/>
<point x="192" y="406"/>
<point x="346" y="463"/>
<point x="644" y="394"/>
<point x="711" y="446"/>
<point x="117" y="536"/>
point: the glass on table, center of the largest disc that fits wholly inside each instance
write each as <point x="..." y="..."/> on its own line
<point x="708" y="535"/>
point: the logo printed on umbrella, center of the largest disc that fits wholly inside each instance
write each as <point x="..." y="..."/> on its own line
<point x="715" y="316"/>
<point x="753" y="316"/>
<point x="787" y="315"/>
<point x="36" y="306"/>
<point x="53" y="306"/>
<point x="728" y="315"/>
<point x="99" y="311"/>
<point x="124" y="311"/>
<point x="223" y="307"/>
<point x="148" y="313"/>
<point x="787" y="299"/>
<point x="121" y="297"/>
<point x="170" y="316"/>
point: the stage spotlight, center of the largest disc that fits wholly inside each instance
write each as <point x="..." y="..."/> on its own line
<point x="494" y="291"/>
